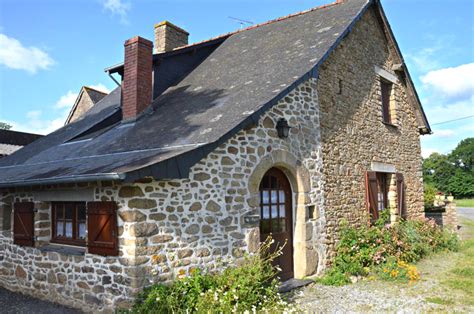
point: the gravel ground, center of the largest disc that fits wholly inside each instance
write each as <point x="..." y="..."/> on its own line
<point x="466" y="212"/>
<point x="11" y="302"/>
<point x="364" y="297"/>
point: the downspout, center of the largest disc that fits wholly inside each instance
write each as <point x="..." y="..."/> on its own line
<point x="112" y="77"/>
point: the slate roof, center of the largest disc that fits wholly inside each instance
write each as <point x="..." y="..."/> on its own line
<point x="243" y="77"/>
<point x="94" y="94"/>
<point x="17" y="138"/>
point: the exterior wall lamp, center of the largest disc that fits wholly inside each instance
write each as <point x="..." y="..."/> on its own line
<point x="283" y="128"/>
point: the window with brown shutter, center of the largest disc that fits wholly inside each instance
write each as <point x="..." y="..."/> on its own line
<point x="401" y="207"/>
<point x="23" y="224"/>
<point x="386" y="91"/>
<point x="69" y="223"/>
<point x="102" y="228"/>
<point x="371" y="195"/>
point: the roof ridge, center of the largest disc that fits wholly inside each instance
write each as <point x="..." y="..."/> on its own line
<point x="95" y="90"/>
<point x="337" y="2"/>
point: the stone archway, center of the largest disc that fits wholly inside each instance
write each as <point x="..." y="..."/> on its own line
<point x="300" y="183"/>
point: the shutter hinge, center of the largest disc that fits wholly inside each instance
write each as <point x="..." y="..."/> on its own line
<point x="35" y="210"/>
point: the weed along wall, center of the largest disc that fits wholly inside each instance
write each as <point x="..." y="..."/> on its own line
<point x="167" y="228"/>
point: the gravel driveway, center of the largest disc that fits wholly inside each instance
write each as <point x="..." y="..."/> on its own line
<point x="466" y="212"/>
<point x="11" y="302"/>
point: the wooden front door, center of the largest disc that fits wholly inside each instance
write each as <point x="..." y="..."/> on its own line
<point x="276" y="218"/>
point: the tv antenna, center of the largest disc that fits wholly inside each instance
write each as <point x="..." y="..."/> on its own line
<point x="241" y="22"/>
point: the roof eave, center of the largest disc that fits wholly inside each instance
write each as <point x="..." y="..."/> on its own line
<point x="425" y="128"/>
<point x="65" y="180"/>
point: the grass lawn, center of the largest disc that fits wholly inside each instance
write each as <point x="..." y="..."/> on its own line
<point x="465" y="202"/>
<point x="454" y="272"/>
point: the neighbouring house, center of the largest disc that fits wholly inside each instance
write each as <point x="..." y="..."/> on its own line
<point x="285" y="128"/>
<point x="11" y="141"/>
<point x="87" y="98"/>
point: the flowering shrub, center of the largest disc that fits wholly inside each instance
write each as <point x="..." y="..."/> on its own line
<point x="398" y="271"/>
<point x="250" y="287"/>
<point x="361" y="250"/>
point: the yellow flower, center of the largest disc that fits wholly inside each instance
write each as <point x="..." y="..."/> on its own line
<point x="181" y="274"/>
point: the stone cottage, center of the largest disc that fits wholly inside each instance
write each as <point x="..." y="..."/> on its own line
<point x="284" y="128"/>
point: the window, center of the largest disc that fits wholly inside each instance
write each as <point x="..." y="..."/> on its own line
<point x="69" y="223"/>
<point x="381" y="191"/>
<point x="376" y="193"/>
<point x="386" y="91"/>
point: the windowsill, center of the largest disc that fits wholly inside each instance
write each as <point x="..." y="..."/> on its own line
<point x="64" y="249"/>
<point x="390" y="124"/>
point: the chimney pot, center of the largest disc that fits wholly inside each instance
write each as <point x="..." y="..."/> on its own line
<point x="137" y="78"/>
<point x="169" y="36"/>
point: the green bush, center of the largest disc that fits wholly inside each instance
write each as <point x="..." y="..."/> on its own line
<point x="363" y="249"/>
<point x="429" y="195"/>
<point x="251" y="286"/>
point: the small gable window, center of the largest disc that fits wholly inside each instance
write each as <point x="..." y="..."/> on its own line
<point x="386" y="91"/>
<point x="388" y="83"/>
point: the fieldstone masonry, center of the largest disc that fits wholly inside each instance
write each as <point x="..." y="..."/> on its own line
<point x="168" y="228"/>
<point x="353" y="134"/>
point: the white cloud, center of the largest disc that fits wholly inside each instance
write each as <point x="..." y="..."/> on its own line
<point x="424" y="59"/>
<point x="67" y="100"/>
<point x="439" y="111"/>
<point x="16" y="56"/>
<point x="426" y="152"/>
<point x="452" y="82"/>
<point x="36" y="123"/>
<point x="444" y="133"/>
<point x="117" y="7"/>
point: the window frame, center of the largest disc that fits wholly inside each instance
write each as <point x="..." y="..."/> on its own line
<point x="75" y="241"/>
<point x="382" y="188"/>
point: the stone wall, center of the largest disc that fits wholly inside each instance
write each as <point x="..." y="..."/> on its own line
<point x="167" y="228"/>
<point x="83" y="105"/>
<point x="66" y="276"/>
<point x="445" y="216"/>
<point x="353" y="134"/>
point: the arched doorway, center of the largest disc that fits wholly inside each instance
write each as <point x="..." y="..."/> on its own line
<point x="276" y="217"/>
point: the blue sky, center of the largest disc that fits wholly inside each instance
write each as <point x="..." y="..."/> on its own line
<point x="50" y="48"/>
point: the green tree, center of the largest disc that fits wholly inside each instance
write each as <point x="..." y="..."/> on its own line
<point x="452" y="173"/>
<point x="5" y="126"/>
<point x="437" y="170"/>
<point x="463" y="154"/>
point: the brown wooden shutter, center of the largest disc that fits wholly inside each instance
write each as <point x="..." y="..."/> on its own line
<point x="24" y="224"/>
<point x="102" y="228"/>
<point x="401" y="207"/>
<point x="371" y="194"/>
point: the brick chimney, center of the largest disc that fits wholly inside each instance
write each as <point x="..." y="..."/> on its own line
<point x="169" y="36"/>
<point x="137" y="78"/>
